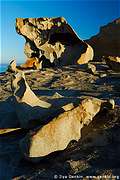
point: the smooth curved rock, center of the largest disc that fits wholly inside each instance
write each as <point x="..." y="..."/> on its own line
<point x="27" y="105"/>
<point x="57" y="134"/>
<point x="24" y="94"/>
<point x="53" y="41"/>
<point x="86" y="56"/>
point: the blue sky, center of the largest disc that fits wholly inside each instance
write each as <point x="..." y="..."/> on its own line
<point x="85" y="16"/>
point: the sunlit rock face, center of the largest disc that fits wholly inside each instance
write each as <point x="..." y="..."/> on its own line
<point x="107" y="41"/>
<point x="58" y="133"/>
<point x="53" y="41"/>
<point x="27" y="105"/>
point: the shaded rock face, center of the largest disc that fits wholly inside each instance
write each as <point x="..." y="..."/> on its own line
<point x="113" y="63"/>
<point x="53" y="41"/>
<point x="107" y="41"/>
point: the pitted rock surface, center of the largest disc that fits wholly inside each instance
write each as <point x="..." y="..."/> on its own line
<point x="53" y="41"/>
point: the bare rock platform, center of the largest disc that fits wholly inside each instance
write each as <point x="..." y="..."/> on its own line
<point x="96" y="153"/>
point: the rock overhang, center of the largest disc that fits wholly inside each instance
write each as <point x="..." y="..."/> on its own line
<point x="53" y="40"/>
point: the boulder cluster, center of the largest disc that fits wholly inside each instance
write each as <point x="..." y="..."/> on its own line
<point x="54" y="127"/>
<point x="59" y="102"/>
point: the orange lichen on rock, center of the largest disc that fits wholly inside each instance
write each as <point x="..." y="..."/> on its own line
<point x="31" y="63"/>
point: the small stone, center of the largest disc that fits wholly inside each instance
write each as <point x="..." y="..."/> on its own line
<point x="102" y="75"/>
<point x="68" y="107"/>
<point x="57" y="95"/>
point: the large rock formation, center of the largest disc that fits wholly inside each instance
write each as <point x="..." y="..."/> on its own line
<point x="57" y="134"/>
<point x="53" y="41"/>
<point x="107" y="41"/>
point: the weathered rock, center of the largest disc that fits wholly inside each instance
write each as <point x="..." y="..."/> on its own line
<point x="113" y="63"/>
<point x="31" y="63"/>
<point x="57" y="95"/>
<point x="57" y="134"/>
<point x="77" y="166"/>
<point x="28" y="105"/>
<point x="68" y="107"/>
<point x="30" y="109"/>
<point x="90" y="68"/>
<point x="24" y="94"/>
<point x="53" y="41"/>
<point x="12" y="66"/>
<point x="107" y="41"/>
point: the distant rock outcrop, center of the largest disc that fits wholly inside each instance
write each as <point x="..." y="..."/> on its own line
<point x="107" y="41"/>
<point x="53" y="41"/>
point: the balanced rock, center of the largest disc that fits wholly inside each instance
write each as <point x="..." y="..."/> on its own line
<point x="53" y="41"/>
<point x="113" y="63"/>
<point x="107" y="41"/>
<point x="28" y="106"/>
<point x="57" y="134"/>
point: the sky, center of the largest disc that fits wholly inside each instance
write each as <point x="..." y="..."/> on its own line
<point x="85" y="16"/>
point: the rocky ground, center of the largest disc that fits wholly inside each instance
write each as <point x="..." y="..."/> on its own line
<point x="96" y="153"/>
